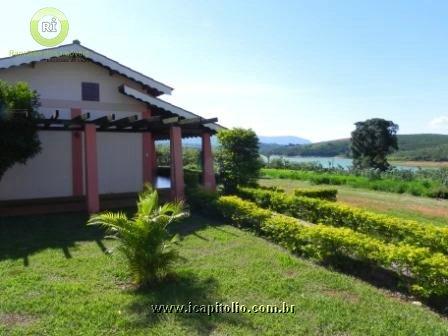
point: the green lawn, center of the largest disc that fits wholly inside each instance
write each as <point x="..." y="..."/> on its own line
<point x="423" y="209"/>
<point x="57" y="280"/>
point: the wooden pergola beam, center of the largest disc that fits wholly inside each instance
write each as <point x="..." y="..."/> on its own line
<point x="123" y="122"/>
<point x="147" y="122"/>
<point x="160" y="127"/>
<point x="103" y="122"/>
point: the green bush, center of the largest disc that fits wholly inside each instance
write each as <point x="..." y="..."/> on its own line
<point x="421" y="271"/>
<point x="237" y="159"/>
<point x="328" y="194"/>
<point x="202" y="201"/>
<point x="19" y="139"/>
<point x="387" y="228"/>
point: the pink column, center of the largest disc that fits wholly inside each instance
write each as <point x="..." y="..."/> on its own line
<point x="177" y="171"/>
<point x="208" y="174"/>
<point x="93" y="200"/>
<point x="77" y="173"/>
<point x="149" y="154"/>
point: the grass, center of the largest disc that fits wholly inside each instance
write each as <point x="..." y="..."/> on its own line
<point x="423" y="209"/>
<point x="421" y="164"/>
<point x="417" y="187"/>
<point x="57" y="280"/>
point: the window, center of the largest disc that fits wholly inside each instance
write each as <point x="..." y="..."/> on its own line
<point x="90" y="91"/>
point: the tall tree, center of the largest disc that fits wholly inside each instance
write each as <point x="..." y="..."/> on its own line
<point x="237" y="158"/>
<point x="372" y="141"/>
<point x="19" y="140"/>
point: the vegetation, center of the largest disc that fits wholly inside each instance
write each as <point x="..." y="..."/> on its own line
<point x="387" y="228"/>
<point x="422" y="209"/>
<point x="237" y="158"/>
<point x="144" y="240"/>
<point x="429" y="184"/>
<point x="191" y="157"/>
<point x="424" y="273"/>
<point x="418" y="147"/>
<point x="56" y="280"/>
<point x="328" y="194"/>
<point x="371" y="142"/>
<point x="18" y="132"/>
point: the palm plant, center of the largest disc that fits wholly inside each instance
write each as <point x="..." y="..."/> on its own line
<point x="144" y="239"/>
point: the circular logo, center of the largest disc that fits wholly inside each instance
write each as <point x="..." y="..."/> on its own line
<point x="49" y="27"/>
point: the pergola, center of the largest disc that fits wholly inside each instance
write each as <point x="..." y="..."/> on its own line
<point x="151" y="116"/>
<point x="155" y="123"/>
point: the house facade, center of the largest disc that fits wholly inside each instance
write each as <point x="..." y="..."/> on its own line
<point x="100" y="120"/>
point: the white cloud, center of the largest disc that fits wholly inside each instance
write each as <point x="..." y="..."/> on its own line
<point x="439" y="123"/>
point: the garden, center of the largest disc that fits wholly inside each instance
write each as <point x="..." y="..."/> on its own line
<point x="339" y="269"/>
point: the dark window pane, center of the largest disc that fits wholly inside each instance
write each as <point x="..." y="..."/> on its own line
<point x="91" y="91"/>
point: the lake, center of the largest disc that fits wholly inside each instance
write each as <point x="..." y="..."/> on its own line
<point x="329" y="162"/>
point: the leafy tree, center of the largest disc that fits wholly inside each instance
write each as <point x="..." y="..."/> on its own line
<point x="372" y="141"/>
<point x="144" y="240"/>
<point x="19" y="140"/>
<point x="238" y="159"/>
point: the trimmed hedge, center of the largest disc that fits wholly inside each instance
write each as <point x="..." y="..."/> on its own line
<point x="423" y="272"/>
<point x="388" y="228"/>
<point x="328" y="194"/>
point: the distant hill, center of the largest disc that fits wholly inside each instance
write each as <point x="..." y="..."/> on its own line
<point x="266" y="142"/>
<point x="283" y="140"/>
<point x="418" y="147"/>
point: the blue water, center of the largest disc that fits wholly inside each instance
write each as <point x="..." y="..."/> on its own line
<point x="329" y="162"/>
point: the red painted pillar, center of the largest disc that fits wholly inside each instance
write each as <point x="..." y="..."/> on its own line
<point x="77" y="173"/>
<point x="92" y="195"/>
<point x="208" y="174"/>
<point x="177" y="171"/>
<point x="149" y="154"/>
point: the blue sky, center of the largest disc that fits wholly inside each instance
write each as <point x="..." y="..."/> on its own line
<point x="304" y="68"/>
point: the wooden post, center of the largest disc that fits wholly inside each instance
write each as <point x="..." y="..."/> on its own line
<point x="208" y="174"/>
<point x="177" y="171"/>
<point x="91" y="161"/>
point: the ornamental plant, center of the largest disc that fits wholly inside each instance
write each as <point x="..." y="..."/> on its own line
<point x="144" y="240"/>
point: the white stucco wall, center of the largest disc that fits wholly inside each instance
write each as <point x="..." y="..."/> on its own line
<point x="49" y="174"/>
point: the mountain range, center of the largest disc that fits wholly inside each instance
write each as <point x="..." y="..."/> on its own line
<point x="419" y="147"/>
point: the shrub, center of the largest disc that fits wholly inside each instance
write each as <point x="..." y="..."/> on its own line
<point x="237" y="159"/>
<point x="19" y="140"/>
<point x="388" y="228"/>
<point x="202" y="200"/>
<point x="328" y="194"/>
<point x="144" y="240"/>
<point x="192" y="178"/>
<point x="423" y="272"/>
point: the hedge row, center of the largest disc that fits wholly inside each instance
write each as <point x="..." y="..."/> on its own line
<point x="328" y="194"/>
<point x="388" y="228"/>
<point x="423" y="272"/>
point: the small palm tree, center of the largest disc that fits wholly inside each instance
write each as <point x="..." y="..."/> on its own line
<point x="144" y="240"/>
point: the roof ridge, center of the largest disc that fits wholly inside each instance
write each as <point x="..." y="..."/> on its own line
<point x="106" y="62"/>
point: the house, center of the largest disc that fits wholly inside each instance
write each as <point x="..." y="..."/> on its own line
<point x="100" y="120"/>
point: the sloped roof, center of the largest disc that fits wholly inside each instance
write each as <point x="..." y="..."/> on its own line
<point x="77" y="49"/>
<point x="161" y="104"/>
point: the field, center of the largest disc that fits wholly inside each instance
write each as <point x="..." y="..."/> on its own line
<point x="395" y="182"/>
<point x="57" y="280"/>
<point x="407" y="206"/>
<point x="420" y="164"/>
